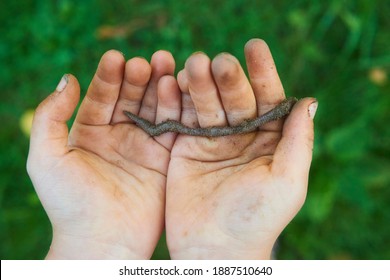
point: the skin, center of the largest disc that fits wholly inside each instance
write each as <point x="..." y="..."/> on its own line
<point x="230" y="197"/>
<point x="101" y="185"/>
<point x="108" y="187"/>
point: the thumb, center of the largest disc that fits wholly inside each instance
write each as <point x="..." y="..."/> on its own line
<point x="49" y="132"/>
<point x="293" y="154"/>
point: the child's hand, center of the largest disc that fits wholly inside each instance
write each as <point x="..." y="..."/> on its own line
<point x="103" y="185"/>
<point x="230" y="197"/>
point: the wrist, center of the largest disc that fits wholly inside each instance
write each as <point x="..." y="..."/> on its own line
<point x="194" y="253"/>
<point x="70" y="247"/>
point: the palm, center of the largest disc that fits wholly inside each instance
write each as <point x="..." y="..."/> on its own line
<point x="122" y="183"/>
<point x="225" y="187"/>
<point x="117" y="182"/>
<point x="103" y="185"/>
<point x="230" y="197"/>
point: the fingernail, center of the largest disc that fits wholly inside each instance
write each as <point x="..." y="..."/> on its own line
<point x="313" y="109"/>
<point x="63" y="83"/>
<point x="198" y="52"/>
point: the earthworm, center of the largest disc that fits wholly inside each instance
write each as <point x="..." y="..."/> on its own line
<point x="281" y="110"/>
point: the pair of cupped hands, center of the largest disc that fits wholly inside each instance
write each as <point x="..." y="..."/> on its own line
<point x="110" y="189"/>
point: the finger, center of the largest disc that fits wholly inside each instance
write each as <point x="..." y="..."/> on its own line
<point x="188" y="112"/>
<point x="182" y="81"/>
<point x="98" y="105"/>
<point x="49" y="133"/>
<point x="293" y="154"/>
<point x="162" y="64"/>
<point x="204" y="92"/>
<point x="234" y="88"/>
<point x="264" y="79"/>
<point x="136" y="79"/>
<point x="168" y="107"/>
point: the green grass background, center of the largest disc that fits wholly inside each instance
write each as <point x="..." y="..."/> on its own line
<point x="337" y="51"/>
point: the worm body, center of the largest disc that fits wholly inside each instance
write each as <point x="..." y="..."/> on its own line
<point x="281" y="110"/>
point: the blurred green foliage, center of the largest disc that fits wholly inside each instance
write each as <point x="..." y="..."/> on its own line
<point x="336" y="51"/>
